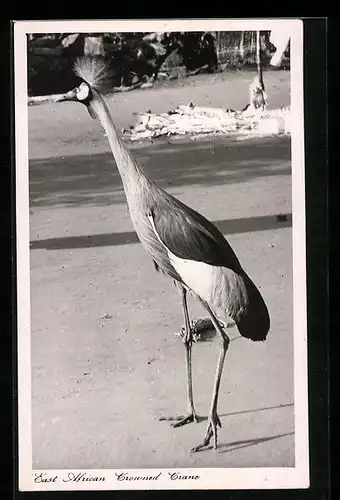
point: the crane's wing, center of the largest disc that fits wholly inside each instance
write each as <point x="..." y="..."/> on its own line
<point x="189" y="235"/>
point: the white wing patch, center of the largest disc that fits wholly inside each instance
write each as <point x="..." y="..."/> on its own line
<point x="198" y="276"/>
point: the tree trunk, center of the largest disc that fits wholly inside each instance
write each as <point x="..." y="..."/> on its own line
<point x="242" y="46"/>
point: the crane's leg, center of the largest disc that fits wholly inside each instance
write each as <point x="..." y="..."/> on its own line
<point x="191" y="416"/>
<point x="213" y="420"/>
<point x="187" y="339"/>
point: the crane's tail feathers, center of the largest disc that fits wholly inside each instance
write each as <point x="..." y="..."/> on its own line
<point x="96" y="72"/>
<point x="254" y="322"/>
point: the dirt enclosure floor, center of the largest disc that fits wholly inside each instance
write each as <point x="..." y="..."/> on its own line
<point x="105" y="360"/>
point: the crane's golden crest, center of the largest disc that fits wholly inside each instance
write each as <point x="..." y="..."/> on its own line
<point x="95" y="72"/>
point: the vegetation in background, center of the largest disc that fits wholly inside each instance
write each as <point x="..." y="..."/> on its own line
<point x="139" y="57"/>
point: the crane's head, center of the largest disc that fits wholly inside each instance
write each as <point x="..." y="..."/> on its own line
<point x="95" y="80"/>
<point x="82" y="93"/>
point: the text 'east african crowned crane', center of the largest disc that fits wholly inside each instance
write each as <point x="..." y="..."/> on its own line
<point x="182" y="243"/>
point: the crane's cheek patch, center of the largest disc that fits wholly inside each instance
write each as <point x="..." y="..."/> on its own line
<point x="83" y="92"/>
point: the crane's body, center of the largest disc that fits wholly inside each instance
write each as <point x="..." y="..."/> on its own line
<point x="184" y="245"/>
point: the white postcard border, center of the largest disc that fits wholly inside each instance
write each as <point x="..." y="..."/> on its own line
<point x="214" y="478"/>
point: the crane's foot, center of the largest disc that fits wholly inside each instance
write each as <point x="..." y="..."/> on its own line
<point x="182" y="420"/>
<point x="199" y="328"/>
<point x="213" y="422"/>
<point x="191" y="417"/>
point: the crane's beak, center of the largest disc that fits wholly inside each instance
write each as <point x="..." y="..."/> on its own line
<point x="69" y="96"/>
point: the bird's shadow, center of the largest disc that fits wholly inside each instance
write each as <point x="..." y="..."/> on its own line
<point x="285" y="405"/>
<point x="245" y="443"/>
<point x="235" y="445"/>
<point x="203" y="418"/>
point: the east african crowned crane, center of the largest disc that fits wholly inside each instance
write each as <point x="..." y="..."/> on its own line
<point x="182" y="243"/>
<point x="257" y="89"/>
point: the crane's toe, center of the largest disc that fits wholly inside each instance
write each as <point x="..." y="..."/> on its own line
<point x="191" y="417"/>
<point x="181" y="420"/>
<point x="213" y="422"/>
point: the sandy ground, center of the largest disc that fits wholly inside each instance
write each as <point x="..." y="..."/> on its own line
<point x="105" y="361"/>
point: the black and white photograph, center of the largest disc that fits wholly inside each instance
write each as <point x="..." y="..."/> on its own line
<point x="162" y="335"/>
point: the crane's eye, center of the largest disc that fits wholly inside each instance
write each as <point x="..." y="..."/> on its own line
<point x="83" y="92"/>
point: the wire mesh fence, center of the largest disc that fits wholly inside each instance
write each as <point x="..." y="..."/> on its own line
<point x="238" y="46"/>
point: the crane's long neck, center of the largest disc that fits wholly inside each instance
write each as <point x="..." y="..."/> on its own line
<point x="130" y="172"/>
